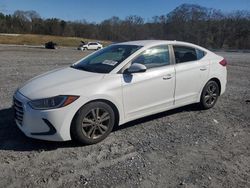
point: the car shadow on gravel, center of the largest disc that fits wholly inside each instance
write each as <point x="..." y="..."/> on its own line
<point x="11" y="138"/>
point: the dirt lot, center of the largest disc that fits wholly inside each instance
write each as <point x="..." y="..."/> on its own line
<point x="185" y="147"/>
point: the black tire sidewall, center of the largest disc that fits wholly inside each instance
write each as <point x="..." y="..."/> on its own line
<point x="76" y="129"/>
<point x="204" y="105"/>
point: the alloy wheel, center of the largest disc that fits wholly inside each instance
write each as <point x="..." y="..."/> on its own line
<point x="211" y="94"/>
<point x="95" y="123"/>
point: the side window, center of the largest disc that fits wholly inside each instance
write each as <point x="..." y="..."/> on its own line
<point x="200" y="54"/>
<point x="154" y="57"/>
<point x="184" y="54"/>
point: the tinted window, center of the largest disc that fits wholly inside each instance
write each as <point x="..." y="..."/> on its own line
<point x="105" y="60"/>
<point x="200" y="54"/>
<point x="154" y="57"/>
<point x="92" y="43"/>
<point x="184" y="54"/>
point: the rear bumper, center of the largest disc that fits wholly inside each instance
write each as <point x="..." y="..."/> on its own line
<point x="223" y="81"/>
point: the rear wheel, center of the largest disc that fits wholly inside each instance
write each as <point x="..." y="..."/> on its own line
<point x="93" y="123"/>
<point x="210" y="94"/>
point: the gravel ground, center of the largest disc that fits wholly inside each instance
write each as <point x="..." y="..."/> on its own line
<point x="184" y="147"/>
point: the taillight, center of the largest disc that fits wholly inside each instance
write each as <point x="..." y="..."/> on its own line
<point x="223" y="63"/>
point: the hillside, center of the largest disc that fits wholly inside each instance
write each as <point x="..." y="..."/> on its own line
<point x="30" y="39"/>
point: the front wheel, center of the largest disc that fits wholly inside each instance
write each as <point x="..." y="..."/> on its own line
<point x="209" y="95"/>
<point x="93" y="123"/>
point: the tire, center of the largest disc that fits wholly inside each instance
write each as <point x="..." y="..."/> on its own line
<point x="209" y="95"/>
<point x="93" y="123"/>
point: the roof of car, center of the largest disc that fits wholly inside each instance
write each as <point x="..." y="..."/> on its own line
<point x="159" y="42"/>
<point x="144" y="42"/>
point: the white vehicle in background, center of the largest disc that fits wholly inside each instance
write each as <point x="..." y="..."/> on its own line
<point x="91" y="46"/>
<point x="115" y="85"/>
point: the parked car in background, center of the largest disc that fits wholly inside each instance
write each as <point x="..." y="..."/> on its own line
<point x="50" y="45"/>
<point x="90" y="46"/>
<point x="115" y="85"/>
<point x="80" y="47"/>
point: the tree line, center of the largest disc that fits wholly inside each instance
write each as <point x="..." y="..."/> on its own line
<point x="207" y="27"/>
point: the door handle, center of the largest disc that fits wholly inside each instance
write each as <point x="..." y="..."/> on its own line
<point x="167" y="77"/>
<point x="203" y="68"/>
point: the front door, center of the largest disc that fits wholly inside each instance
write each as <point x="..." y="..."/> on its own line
<point x="151" y="91"/>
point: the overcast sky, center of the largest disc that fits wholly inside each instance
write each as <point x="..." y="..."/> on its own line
<point x="98" y="10"/>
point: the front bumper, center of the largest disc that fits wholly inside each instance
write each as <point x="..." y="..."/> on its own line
<point x="53" y="125"/>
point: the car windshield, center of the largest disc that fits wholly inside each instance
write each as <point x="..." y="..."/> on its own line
<point x="105" y="60"/>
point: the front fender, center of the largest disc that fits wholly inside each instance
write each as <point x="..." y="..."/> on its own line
<point x="117" y="103"/>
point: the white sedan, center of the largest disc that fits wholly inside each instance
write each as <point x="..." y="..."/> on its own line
<point x="91" y="46"/>
<point x="115" y="85"/>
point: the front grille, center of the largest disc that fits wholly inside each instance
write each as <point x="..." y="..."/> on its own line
<point x="18" y="108"/>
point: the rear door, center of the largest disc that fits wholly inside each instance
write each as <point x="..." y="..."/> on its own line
<point x="191" y="73"/>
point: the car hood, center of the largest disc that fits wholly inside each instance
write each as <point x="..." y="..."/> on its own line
<point x="58" y="82"/>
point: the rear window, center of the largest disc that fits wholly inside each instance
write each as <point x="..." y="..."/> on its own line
<point x="200" y="54"/>
<point x="185" y="54"/>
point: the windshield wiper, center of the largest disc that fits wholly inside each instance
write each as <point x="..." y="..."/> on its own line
<point x="83" y="68"/>
<point x="78" y="68"/>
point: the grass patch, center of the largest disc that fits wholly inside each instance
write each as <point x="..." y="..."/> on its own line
<point x="30" y="39"/>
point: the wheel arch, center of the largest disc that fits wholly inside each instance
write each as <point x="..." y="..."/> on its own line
<point x="113" y="106"/>
<point x="217" y="81"/>
<point x="211" y="79"/>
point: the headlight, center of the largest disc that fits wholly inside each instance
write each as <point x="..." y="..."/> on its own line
<point x="53" y="102"/>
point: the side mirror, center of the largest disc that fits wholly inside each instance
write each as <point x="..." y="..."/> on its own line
<point x="136" y="68"/>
